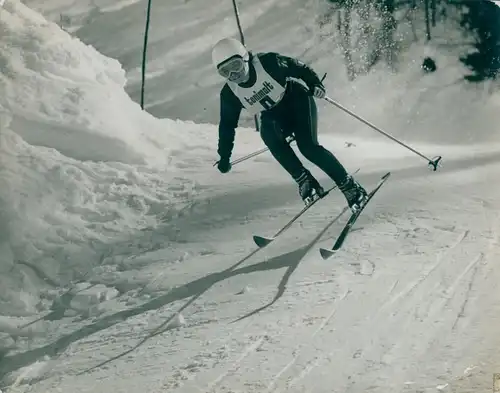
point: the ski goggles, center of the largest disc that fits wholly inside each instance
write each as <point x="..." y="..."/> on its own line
<point x="235" y="65"/>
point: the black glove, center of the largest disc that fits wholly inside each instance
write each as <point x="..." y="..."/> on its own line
<point x="224" y="165"/>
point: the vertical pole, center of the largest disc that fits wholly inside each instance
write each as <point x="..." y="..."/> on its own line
<point x="433" y="11"/>
<point x="242" y="39"/>
<point x="144" y="54"/>
<point x="427" y="20"/>
<point x="237" y="15"/>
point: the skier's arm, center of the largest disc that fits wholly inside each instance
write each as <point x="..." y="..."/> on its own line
<point x="230" y="110"/>
<point x="297" y="69"/>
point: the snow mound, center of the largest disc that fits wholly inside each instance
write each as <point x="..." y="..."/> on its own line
<point x="82" y="168"/>
<point x="63" y="94"/>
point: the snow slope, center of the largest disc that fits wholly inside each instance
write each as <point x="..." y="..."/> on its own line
<point x="127" y="261"/>
<point x="181" y="83"/>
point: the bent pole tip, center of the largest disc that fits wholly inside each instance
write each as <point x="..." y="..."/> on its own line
<point x="435" y="163"/>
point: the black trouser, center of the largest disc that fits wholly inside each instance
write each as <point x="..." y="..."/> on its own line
<point x="297" y="116"/>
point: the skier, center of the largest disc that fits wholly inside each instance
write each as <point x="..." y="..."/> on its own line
<point x="260" y="84"/>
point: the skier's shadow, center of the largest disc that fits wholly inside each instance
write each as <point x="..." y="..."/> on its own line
<point x="292" y="260"/>
<point x="193" y="290"/>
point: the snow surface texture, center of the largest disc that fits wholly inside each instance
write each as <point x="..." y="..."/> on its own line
<point x="127" y="262"/>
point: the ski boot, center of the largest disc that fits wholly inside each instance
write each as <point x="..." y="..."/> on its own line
<point x="309" y="188"/>
<point x="354" y="193"/>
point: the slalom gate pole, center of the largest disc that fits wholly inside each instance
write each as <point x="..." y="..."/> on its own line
<point x="433" y="164"/>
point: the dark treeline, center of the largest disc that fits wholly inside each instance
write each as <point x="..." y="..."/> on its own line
<point x="482" y="19"/>
<point x="381" y="25"/>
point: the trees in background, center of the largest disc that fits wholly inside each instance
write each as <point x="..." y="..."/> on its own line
<point x="371" y="31"/>
<point x="365" y="32"/>
<point x="482" y="19"/>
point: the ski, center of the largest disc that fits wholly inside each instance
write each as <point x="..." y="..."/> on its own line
<point x="263" y="241"/>
<point x="327" y="253"/>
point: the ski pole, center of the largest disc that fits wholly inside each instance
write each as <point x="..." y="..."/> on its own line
<point x="244" y="158"/>
<point x="289" y="140"/>
<point x="431" y="163"/>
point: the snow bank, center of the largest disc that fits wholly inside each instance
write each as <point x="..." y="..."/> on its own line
<point x="64" y="94"/>
<point x="73" y="14"/>
<point x="82" y="168"/>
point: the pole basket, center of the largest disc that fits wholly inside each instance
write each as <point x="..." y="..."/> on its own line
<point x="435" y="163"/>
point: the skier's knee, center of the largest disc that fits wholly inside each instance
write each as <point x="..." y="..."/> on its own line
<point x="268" y="139"/>
<point x="274" y="145"/>
<point x="309" y="150"/>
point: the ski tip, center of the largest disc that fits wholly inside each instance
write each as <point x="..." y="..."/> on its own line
<point x="262" y="241"/>
<point x="326" y="253"/>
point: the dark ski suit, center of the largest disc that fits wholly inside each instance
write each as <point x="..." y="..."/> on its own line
<point x="287" y="108"/>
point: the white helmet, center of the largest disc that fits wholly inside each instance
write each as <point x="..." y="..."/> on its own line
<point x="227" y="48"/>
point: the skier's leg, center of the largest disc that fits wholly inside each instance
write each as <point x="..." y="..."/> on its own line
<point x="275" y="140"/>
<point x="306" y="135"/>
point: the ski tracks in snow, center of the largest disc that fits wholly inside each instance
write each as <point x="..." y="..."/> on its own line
<point x="383" y="343"/>
<point x="421" y="318"/>
<point x="333" y="330"/>
<point x="379" y="330"/>
<point x="272" y="385"/>
<point x="425" y="274"/>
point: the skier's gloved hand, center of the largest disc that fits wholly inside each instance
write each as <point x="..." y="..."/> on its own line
<point x="224" y="165"/>
<point x="318" y="91"/>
